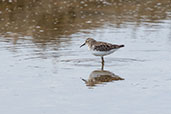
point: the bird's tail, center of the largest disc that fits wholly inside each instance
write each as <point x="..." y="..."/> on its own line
<point x="121" y="46"/>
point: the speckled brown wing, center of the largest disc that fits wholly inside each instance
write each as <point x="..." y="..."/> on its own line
<point x="102" y="46"/>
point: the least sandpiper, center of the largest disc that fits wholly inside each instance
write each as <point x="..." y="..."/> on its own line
<point x="101" y="48"/>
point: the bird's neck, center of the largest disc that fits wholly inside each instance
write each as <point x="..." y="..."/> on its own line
<point x="90" y="45"/>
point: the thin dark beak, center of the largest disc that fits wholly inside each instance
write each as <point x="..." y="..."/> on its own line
<point x="82" y="45"/>
<point x="84" y="80"/>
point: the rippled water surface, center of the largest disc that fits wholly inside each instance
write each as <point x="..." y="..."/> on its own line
<point x="43" y="70"/>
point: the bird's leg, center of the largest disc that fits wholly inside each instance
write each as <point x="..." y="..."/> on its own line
<point x="102" y="63"/>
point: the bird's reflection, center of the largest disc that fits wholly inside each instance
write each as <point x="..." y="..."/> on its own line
<point x="100" y="77"/>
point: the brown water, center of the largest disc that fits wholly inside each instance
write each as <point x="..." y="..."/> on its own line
<point x="42" y="66"/>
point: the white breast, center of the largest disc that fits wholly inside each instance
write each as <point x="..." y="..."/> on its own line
<point x="102" y="53"/>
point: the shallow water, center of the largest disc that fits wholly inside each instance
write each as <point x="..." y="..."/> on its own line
<point x="42" y="65"/>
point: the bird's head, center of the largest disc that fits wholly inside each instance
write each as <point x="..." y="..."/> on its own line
<point x="88" y="41"/>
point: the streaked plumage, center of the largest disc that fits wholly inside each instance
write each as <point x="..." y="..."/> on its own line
<point x="101" y="48"/>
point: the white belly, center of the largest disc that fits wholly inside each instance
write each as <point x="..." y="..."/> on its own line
<point x="103" y="53"/>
